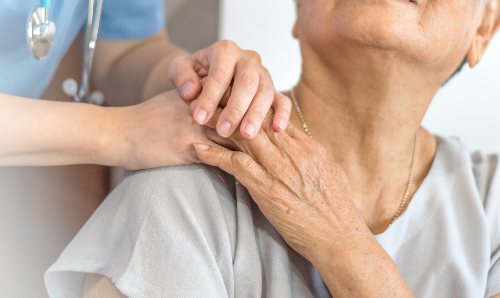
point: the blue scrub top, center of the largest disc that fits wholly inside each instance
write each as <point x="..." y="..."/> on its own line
<point x="22" y="75"/>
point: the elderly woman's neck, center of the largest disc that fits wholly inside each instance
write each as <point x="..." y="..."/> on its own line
<point x="363" y="116"/>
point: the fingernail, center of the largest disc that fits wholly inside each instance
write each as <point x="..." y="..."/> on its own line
<point x="250" y="129"/>
<point x="187" y="88"/>
<point x="225" y="128"/>
<point x="201" y="116"/>
<point x="282" y="124"/>
<point x="201" y="147"/>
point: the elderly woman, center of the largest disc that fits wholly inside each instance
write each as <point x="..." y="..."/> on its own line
<point x="363" y="203"/>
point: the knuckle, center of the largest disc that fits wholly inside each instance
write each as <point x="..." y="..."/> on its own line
<point x="179" y="59"/>
<point x="266" y="73"/>
<point x="249" y="82"/>
<point x="245" y="161"/>
<point x="268" y="183"/>
<point x="225" y="158"/>
<point x="257" y="115"/>
<point x="208" y="103"/>
<point x="179" y="62"/>
<point x="268" y="91"/>
<point x="226" y="45"/>
<point x="234" y="113"/>
<point x="219" y="77"/>
<point x="253" y="56"/>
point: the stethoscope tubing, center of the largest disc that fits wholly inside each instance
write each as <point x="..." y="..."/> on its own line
<point x="91" y="34"/>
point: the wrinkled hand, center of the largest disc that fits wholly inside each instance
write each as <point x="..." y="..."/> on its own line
<point x="301" y="190"/>
<point x="206" y="76"/>
<point x="158" y="132"/>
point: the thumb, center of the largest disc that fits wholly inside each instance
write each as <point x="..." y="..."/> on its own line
<point x="182" y="73"/>
<point x="236" y="163"/>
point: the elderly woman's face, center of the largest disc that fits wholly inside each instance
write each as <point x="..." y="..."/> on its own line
<point x="436" y="32"/>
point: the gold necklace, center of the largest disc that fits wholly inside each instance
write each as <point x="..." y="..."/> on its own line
<point x="299" y="112"/>
<point x="410" y="178"/>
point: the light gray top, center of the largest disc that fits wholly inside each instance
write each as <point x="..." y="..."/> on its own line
<point x="191" y="231"/>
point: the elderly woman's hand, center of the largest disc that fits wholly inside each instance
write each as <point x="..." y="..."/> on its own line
<point x="297" y="186"/>
<point x="306" y="196"/>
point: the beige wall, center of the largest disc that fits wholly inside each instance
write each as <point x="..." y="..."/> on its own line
<point x="193" y="24"/>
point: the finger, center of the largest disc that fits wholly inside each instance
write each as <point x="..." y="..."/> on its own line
<point x="282" y="110"/>
<point x="192" y="105"/>
<point x="259" y="108"/>
<point x="245" y="87"/>
<point x="225" y="98"/>
<point x="182" y="73"/>
<point x="297" y="133"/>
<point x="261" y="148"/>
<point x="220" y="74"/>
<point x="236" y="163"/>
<point x="213" y="136"/>
<point x="191" y="155"/>
<point x="212" y="123"/>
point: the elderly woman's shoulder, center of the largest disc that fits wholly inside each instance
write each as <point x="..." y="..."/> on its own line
<point x="187" y="185"/>
<point x="486" y="169"/>
<point x="481" y="169"/>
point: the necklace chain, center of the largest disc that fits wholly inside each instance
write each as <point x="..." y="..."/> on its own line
<point x="409" y="184"/>
<point x="299" y="112"/>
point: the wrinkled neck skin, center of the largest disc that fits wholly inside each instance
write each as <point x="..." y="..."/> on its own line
<point x="366" y="106"/>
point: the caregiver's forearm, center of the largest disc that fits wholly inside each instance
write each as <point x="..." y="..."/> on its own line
<point x="361" y="269"/>
<point x="131" y="71"/>
<point x="39" y="132"/>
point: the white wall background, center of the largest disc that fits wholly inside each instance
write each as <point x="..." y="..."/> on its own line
<point x="468" y="107"/>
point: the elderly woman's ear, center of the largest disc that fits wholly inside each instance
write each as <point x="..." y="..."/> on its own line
<point x="488" y="26"/>
<point x="295" y="30"/>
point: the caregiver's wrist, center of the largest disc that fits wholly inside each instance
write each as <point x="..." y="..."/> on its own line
<point x="108" y="141"/>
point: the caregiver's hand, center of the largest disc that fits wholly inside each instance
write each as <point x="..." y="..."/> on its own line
<point x="306" y="196"/>
<point x="157" y="132"/>
<point x="207" y="75"/>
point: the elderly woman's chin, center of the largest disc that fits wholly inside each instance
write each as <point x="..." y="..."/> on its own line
<point x="399" y="25"/>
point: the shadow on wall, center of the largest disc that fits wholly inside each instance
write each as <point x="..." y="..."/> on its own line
<point x="193" y="24"/>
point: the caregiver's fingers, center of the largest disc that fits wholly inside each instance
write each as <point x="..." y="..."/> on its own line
<point x="260" y="107"/>
<point x="244" y="89"/>
<point x="221" y="60"/>
<point x="212" y="123"/>
<point x="181" y="71"/>
<point x="236" y="163"/>
<point x="282" y="110"/>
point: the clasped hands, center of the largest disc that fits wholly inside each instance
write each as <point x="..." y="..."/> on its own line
<point x="296" y="184"/>
<point x="161" y="131"/>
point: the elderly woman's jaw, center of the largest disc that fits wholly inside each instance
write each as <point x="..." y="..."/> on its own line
<point x="431" y="37"/>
